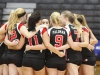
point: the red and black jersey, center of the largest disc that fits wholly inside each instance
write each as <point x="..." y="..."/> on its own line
<point x="86" y="52"/>
<point x="58" y="38"/>
<point x="15" y="33"/>
<point x="35" y="40"/>
<point x="73" y="32"/>
<point x="70" y="53"/>
<point x="85" y="29"/>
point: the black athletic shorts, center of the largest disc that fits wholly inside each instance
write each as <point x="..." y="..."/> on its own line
<point x="74" y="57"/>
<point x="88" y="57"/>
<point x="36" y="63"/>
<point x="3" y="58"/>
<point x="2" y="50"/>
<point x="56" y="62"/>
<point x="15" y="57"/>
<point x="89" y="61"/>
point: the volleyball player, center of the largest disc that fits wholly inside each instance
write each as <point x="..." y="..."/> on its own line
<point x="89" y="59"/>
<point x="74" y="58"/>
<point x="36" y="56"/>
<point x="46" y="21"/>
<point x="59" y="36"/>
<point x="3" y="28"/>
<point x="14" y="31"/>
<point x="2" y="49"/>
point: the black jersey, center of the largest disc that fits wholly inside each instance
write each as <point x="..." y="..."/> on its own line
<point x="73" y="33"/>
<point x="35" y="40"/>
<point x="58" y="38"/>
<point x="85" y="51"/>
<point x="72" y="55"/>
<point x="15" y="33"/>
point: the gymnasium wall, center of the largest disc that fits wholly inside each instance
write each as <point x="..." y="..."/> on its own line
<point x="90" y="8"/>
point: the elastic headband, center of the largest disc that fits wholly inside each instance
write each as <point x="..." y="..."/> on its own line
<point x="20" y="15"/>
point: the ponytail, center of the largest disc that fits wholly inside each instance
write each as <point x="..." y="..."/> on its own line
<point x="55" y="18"/>
<point x="12" y="20"/>
<point x="31" y="23"/>
<point x="73" y="20"/>
<point x="33" y="19"/>
<point x="14" y="17"/>
<point x="84" y="21"/>
<point x="77" y="24"/>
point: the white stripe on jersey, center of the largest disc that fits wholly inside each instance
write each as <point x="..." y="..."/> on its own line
<point x="67" y="29"/>
<point x="49" y="30"/>
<point x="17" y="27"/>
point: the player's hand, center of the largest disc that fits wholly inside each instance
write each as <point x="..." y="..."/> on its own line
<point x="15" y="42"/>
<point x="91" y="41"/>
<point x="90" y="47"/>
<point x="28" y="47"/>
<point x="62" y="54"/>
<point x="78" y="48"/>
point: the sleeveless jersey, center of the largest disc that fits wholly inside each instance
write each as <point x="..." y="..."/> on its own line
<point x="70" y="53"/>
<point x="73" y="33"/>
<point x="15" y="33"/>
<point x="86" y="52"/>
<point x="58" y="37"/>
<point x="35" y="40"/>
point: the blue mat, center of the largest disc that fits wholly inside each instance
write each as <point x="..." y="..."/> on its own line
<point x="97" y="50"/>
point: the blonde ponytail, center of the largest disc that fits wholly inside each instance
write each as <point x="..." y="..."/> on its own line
<point x="55" y="18"/>
<point x="12" y="20"/>
<point x="84" y="21"/>
<point x="14" y="17"/>
<point x="73" y="20"/>
<point x="77" y="24"/>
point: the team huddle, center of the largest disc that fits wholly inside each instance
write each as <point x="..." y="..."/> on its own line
<point x="30" y="45"/>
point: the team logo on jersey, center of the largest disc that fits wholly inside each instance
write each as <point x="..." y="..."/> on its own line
<point x="67" y="59"/>
<point x="86" y="60"/>
<point x="73" y="27"/>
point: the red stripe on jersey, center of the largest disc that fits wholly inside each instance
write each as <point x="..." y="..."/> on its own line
<point x="44" y="30"/>
<point x="5" y="26"/>
<point x="85" y="29"/>
<point x="22" y="36"/>
<point x="70" y="33"/>
<point x="75" y="32"/>
<point x="20" y="25"/>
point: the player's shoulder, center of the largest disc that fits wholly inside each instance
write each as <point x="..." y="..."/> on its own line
<point x="84" y="28"/>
